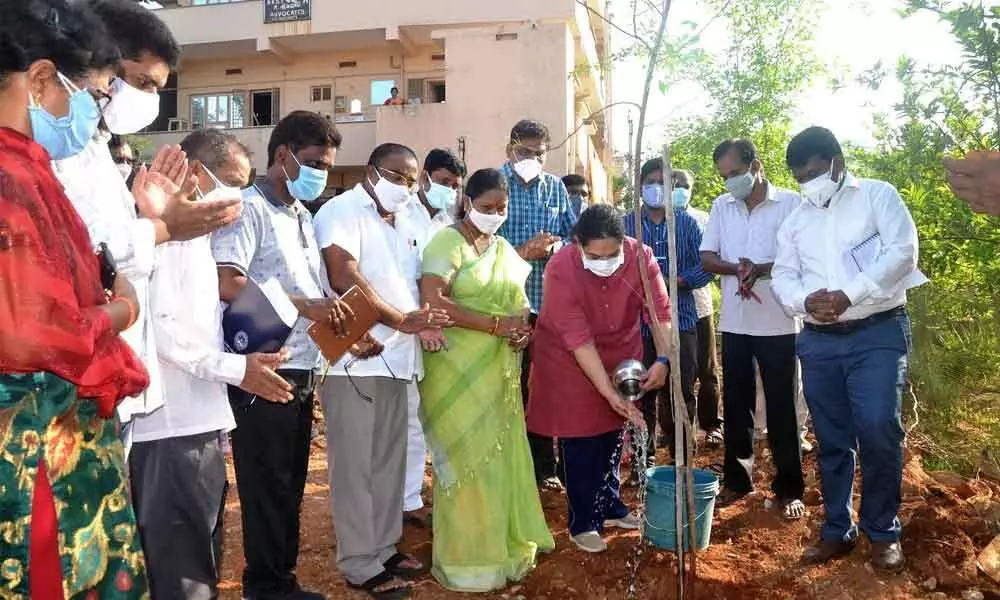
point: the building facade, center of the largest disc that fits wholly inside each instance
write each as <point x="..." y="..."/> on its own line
<point x="467" y="70"/>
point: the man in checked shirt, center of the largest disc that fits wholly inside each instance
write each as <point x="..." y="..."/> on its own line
<point x="539" y="218"/>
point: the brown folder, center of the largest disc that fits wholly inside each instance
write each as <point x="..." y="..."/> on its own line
<point x="365" y="317"/>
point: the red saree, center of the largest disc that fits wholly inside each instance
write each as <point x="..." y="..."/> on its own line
<point x="50" y="323"/>
<point x="50" y="285"/>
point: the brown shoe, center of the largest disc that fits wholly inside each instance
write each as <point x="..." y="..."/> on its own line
<point x="887" y="557"/>
<point x="827" y="550"/>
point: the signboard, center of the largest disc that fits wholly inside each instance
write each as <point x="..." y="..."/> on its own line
<point x="284" y="11"/>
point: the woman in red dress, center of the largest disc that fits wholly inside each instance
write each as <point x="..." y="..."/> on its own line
<point x="64" y="506"/>
<point x="589" y="323"/>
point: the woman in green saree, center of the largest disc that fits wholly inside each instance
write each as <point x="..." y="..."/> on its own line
<point x="488" y="519"/>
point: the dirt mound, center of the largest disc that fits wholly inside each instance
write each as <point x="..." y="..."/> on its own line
<point x="754" y="553"/>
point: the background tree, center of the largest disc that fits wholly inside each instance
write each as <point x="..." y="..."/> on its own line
<point x="752" y="88"/>
<point x="948" y="110"/>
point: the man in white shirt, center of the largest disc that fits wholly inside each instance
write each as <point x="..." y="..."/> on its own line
<point x="95" y="186"/>
<point x="709" y="400"/>
<point x="431" y="210"/>
<point x="845" y="260"/>
<point x="740" y="244"/>
<point x="434" y="205"/>
<point x="178" y="468"/>
<point x="369" y="242"/>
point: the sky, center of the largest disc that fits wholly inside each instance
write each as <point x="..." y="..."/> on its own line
<point x="852" y="37"/>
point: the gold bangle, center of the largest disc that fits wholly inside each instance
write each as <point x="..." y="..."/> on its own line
<point x="496" y="326"/>
<point x="133" y="310"/>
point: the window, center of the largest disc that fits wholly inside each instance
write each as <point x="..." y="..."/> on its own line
<point x="321" y="93"/>
<point x="218" y="110"/>
<point x="381" y="90"/>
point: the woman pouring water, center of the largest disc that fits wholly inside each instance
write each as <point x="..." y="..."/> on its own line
<point x="588" y="325"/>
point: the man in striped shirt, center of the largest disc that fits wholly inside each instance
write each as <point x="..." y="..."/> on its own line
<point x="690" y="277"/>
<point x="539" y="218"/>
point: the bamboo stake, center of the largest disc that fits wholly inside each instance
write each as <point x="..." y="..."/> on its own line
<point x="683" y="431"/>
<point x="659" y="331"/>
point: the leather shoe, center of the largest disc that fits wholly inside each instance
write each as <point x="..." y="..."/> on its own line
<point x="887" y="557"/>
<point x="827" y="550"/>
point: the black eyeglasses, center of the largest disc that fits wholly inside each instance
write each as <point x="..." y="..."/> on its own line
<point x="347" y="370"/>
<point x="524" y="152"/>
<point x="400" y="179"/>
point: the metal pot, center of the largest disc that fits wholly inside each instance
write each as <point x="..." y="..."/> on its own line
<point x="627" y="378"/>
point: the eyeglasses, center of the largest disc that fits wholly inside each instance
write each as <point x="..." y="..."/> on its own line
<point x="525" y="152"/>
<point x="101" y="97"/>
<point x="400" y="179"/>
<point x="347" y="370"/>
<point x="124" y="160"/>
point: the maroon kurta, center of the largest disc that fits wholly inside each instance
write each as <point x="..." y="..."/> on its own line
<point x="581" y="308"/>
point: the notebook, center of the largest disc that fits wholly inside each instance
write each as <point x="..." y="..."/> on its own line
<point x="860" y="258"/>
<point x="260" y="319"/>
<point x="366" y="315"/>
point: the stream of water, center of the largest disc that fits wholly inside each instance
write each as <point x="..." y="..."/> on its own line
<point x="640" y="442"/>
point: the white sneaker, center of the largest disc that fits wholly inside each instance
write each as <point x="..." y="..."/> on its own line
<point x="629" y="521"/>
<point x="590" y="541"/>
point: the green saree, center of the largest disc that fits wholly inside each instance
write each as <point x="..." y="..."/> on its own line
<point x="41" y="417"/>
<point x="488" y="519"/>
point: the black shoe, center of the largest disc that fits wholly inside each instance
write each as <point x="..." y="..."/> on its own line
<point x="827" y="550"/>
<point x="887" y="557"/>
<point x="301" y="594"/>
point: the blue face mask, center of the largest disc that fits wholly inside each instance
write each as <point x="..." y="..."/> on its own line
<point x="310" y="183"/>
<point x="440" y="197"/>
<point x="681" y="197"/>
<point x="652" y="195"/>
<point x="64" y="137"/>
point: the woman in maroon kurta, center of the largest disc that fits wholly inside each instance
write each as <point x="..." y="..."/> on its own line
<point x="589" y="323"/>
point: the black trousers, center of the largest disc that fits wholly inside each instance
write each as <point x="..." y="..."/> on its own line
<point x="709" y="399"/>
<point x="542" y="453"/>
<point x="179" y="493"/>
<point x="776" y="358"/>
<point x="657" y="406"/>
<point x="271" y="455"/>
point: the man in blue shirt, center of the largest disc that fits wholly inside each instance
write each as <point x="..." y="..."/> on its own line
<point x="690" y="276"/>
<point x="539" y="218"/>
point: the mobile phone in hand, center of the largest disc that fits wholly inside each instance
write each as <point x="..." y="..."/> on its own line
<point x="109" y="271"/>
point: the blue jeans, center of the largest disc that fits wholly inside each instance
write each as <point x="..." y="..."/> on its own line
<point x="590" y="467"/>
<point x="853" y="385"/>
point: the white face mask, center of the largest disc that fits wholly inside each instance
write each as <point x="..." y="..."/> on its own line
<point x="486" y="223"/>
<point x="528" y="169"/>
<point x="221" y="191"/>
<point x="130" y="109"/>
<point x="603" y="267"/>
<point x="820" y="190"/>
<point x="392" y="196"/>
<point x="125" y="170"/>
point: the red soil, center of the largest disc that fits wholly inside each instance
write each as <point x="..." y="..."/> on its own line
<point x="754" y="554"/>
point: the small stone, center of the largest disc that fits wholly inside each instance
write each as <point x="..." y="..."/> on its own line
<point x="938" y="596"/>
<point x="929" y="584"/>
<point x="972" y="595"/>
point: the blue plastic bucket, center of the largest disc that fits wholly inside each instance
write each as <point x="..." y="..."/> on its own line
<point x="661" y="519"/>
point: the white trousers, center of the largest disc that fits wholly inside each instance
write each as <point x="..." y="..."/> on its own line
<point x="801" y="410"/>
<point x="416" y="451"/>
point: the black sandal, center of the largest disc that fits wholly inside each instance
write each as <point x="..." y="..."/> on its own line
<point x="392" y="566"/>
<point x="393" y="593"/>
